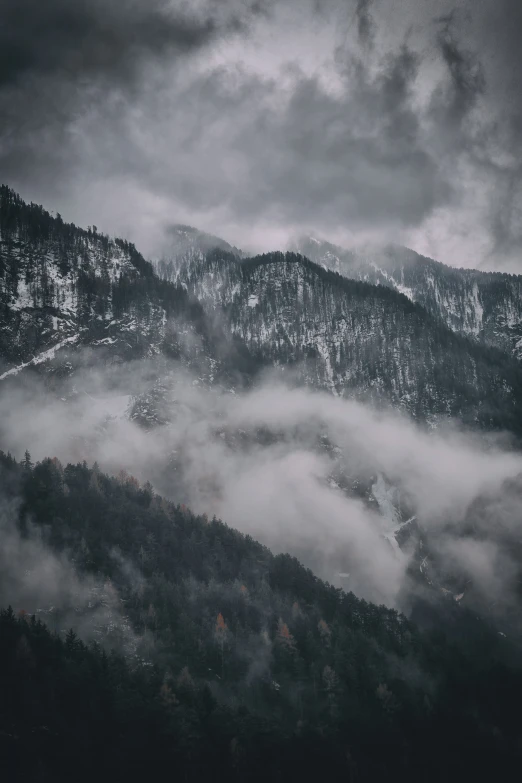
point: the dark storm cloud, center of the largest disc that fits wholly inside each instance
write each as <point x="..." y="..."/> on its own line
<point x="61" y="60"/>
<point x="365" y="21"/>
<point x="359" y="156"/>
<point x="499" y="38"/>
<point x="89" y="38"/>
<point x="340" y="157"/>
<point x="478" y="113"/>
<point x="81" y="97"/>
<point x="467" y="80"/>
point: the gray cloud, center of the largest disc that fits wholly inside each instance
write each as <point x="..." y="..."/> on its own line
<point x="478" y="116"/>
<point x="38" y="580"/>
<point x="338" y="158"/>
<point x="401" y="122"/>
<point x="456" y="98"/>
<point x="357" y="157"/>
<point x="365" y="21"/>
<point x="283" y="489"/>
<point x="79" y="39"/>
<point x="86" y="49"/>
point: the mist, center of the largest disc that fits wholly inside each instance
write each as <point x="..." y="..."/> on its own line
<point x="37" y="580"/>
<point x="329" y="480"/>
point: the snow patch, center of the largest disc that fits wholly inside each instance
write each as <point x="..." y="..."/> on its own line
<point x="42" y="357"/>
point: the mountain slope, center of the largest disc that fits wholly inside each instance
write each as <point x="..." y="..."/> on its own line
<point x="354" y="338"/>
<point x="271" y="672"/>
<point x="63" y="288"/>
<point x="185" y="243"/>
<point x="484" y="305"/>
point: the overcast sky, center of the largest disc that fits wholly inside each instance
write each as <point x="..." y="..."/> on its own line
<point x="256" y="120"/>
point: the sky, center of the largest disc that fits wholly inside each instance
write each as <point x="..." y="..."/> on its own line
<point x="256" y="120"/>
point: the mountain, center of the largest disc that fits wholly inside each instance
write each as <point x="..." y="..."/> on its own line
<point x="64" y="289"/>
<point x="249" y="667"/>
<point x="220" y="645"/>
<point x="484" y="305"/>
<point x="185" y="243"/>
<point x="81" y="309"/>
<point x="355" y="338"/>
<point x="70" y="296"/>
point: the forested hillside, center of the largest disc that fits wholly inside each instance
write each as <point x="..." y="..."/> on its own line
<point x="63" y="288"/>
<point x="249" y="667"/>
<point x="484" y="305"/>
<point x="354" y="338"/>
<point x="72" y="296"/>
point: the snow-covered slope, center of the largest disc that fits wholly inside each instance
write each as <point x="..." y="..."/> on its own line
<point x="354" y="338"/>
<point x="186" y="245"/>
<point x="64" y="289"/>
<point x="484" y="305"/>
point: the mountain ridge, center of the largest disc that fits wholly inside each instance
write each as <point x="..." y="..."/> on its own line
<point x="369" y="337"/>
<point x="62" y="287"/>
<point x="483" y="305"/>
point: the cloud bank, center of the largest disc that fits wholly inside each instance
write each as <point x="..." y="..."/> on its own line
<point x="360" y="121"/>
<point x="298" y="470"/>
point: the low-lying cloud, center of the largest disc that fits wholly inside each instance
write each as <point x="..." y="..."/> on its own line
<point x="37" y="580"/>
<point x="293" y="468"/>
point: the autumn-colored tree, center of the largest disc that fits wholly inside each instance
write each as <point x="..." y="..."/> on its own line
<point x="296" y="610"/>
<point x="57" y="464"/>
<point x="132" y="481"/>
<point x="284" y="637"/>
<point x="160" y="504"/>
<point x="167" y="695"/>
<point x="220" y="632"/>
<point x="221" y="627"/>
<point x="324" y="631"/>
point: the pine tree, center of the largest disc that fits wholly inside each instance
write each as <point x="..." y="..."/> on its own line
<point x="26" y="462"/>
